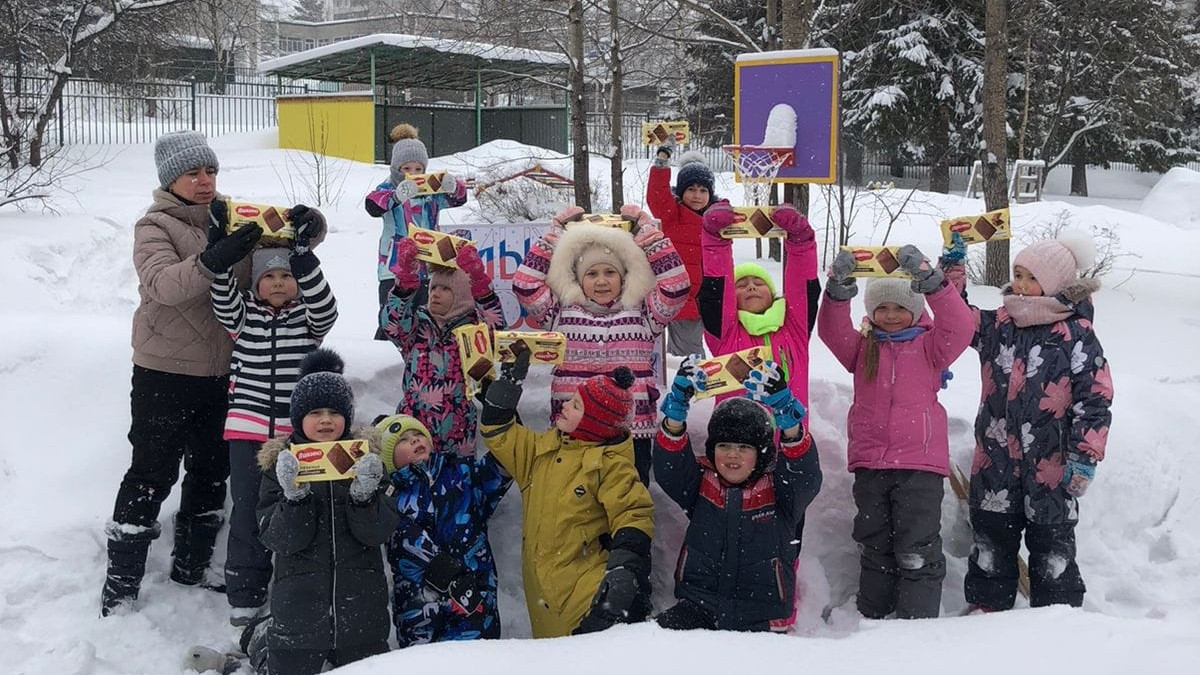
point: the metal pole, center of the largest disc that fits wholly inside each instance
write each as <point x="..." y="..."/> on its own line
<point x="478" y="110"/>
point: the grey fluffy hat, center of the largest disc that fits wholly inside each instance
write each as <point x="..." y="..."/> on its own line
<point x="264" y="260"/>
<point x="899" y="291"/>
<point x="178" y="152"/>
<point x="321" y="385"/>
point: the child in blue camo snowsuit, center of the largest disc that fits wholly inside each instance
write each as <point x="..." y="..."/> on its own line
<point x="443" y="572"/>
<point x="1042" y="425"/>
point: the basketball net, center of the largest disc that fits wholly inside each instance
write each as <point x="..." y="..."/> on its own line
<point x="757" y="166"/>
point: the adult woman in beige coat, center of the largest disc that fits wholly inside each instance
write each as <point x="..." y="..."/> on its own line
<point x="181" y="357"/>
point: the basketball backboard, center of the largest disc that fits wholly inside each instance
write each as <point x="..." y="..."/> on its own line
<point x="790" y="98"/>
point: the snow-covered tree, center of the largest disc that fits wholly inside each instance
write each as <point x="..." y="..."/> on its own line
<point x="309" y="10"/>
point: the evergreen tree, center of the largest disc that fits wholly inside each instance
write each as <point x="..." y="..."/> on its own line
<point x="309" y="10"/>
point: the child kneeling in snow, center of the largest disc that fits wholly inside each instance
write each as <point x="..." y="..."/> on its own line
<point x="737" y="568"/>
<point x="681" y="211"/>
<point x="612" y="295"/>
<point x="434" y="387"/>
<point x="1042" y="425"/>
<point x="397" y="203"/>
<point x="898" y="447"/>
<point x="330" y="595"/>
<point x="442" y="567"/>
<point x="587" y="518"/>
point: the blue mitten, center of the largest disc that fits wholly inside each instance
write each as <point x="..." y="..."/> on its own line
<point x="677" y="401"/>
<point x="768" y="387"/>
<point x="955" y="253"/>
<point x="1077" y="475"/>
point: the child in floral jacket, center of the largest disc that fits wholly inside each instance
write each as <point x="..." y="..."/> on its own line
<point x="397" y="202"/>
<point x="434" y="385"/>
<point x="1042" y="425"/>
<point x="444" y="576"/>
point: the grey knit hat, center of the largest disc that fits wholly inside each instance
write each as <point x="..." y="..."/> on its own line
<point x="899" y="291"/>
<point x="321" y="385"/>
<point x="178" y="152"/>
<point x="264" y="260"/>
<point x="404" y="151"/>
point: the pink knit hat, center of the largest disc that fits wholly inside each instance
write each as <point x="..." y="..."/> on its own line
<point x="1057" y="262"/>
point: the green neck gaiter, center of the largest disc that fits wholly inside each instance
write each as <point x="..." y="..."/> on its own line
<point x="765" y="323"/>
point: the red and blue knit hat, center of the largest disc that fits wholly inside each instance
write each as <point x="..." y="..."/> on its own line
<point x="607" y="406"/>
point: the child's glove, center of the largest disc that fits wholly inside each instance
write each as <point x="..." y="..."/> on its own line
<point x="368" y="471"/>
<point x="926" y="278"/>
<point x="955" y="253"/>
<point x="450" y="183"/>
<point x="505" y="392"/>
<point x="794" y="223"/>
<point x="687" y="380"/>
<point x="662" y="158"/>
<point x="718" y="217"/>
<point x="451" y="578"/>
<point x="768" y="387"/>
<point x="309" y="224"/>
<point x="642" y="221"/>
<point x="1077" y="475"/>
<point x="470" y="263"/>
<point x="406" y="267"/>
<point x="841" y="285"/>
<point x="567" y="215"/>
<point x="287" y="467"/>
<point x="228" y="251"/>
<point x="406" y="190"/>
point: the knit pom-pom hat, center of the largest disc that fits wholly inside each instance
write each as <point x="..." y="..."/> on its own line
<point x="321" y="385"/>
<point x="407" y="148"/>
<point x="607" y="405"/>
<point x="693" y="170"/>
<point x="390" y="429"/>
<point x="1056" y="262"/>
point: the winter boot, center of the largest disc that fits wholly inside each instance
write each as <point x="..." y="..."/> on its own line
<point x="128" y="546"/>
<point x="254" y="643"/>
<point x="195" y="537"/>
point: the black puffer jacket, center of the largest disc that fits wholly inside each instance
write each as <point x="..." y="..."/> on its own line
<point x="330" y="587"/>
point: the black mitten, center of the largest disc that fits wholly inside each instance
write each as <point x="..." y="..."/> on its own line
<point x="228" y="251"/>
<point x="505" y="392"/>
<point x="451" y="578"/>
<point x="308" y="223"/>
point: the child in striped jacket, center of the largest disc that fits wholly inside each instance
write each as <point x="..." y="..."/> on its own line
<point x="612" y="295"/>
<point x="287" y="311"/>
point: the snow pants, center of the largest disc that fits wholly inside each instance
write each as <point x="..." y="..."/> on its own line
<point x="898" y="530"/>
<point x="311" y="661"/>
<point x="992" y="571"/>
<point x="247" y="561"/>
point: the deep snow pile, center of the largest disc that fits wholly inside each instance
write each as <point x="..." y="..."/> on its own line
<point x="69" y="292"/>
<point x="1174" y="199"/>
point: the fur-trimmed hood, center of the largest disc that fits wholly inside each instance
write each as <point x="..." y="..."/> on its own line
<point x="271" y="449"/>
<point x="562" y="279"/>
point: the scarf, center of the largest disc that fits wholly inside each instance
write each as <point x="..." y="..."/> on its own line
<point x="767" y="322"/>
<point x="903" y="335"/>
<point x="1040" y="310"/>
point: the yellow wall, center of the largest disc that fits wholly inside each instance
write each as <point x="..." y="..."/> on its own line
<point x="339" y="126"/>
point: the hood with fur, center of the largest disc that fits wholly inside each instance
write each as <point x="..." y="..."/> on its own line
<point x="562" y="279"/>
<point x="271" y="449"/>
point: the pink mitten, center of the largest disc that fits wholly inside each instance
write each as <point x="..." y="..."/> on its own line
<point x="718" y="217"/>
<point x="794" y="223"/>
<point x="470" y="262"/>
<point x="405" y="266"/>
<point x="648" y="236"/>
<point x="637" y="215"/>
<point x="565" y="216"/>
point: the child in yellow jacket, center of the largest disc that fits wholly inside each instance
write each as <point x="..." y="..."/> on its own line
<point x="587" y="516"/>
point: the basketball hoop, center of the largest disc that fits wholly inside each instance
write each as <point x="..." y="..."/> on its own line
<point x="757" y="166"/>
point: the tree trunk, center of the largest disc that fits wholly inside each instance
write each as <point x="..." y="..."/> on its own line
<point x="579" y="140"/>
<point x="853" y="161"/>
<point x="618" y="107"/>
<point x="1079" y="159"/>
<point x="939" y="152"/>
<point x="993" y="152"/>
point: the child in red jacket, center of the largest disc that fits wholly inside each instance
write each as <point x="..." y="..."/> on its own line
<point x="681" y="211"/>
<point x="898" y="446"/>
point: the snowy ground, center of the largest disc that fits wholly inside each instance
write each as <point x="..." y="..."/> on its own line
<point x="69" y="292"/>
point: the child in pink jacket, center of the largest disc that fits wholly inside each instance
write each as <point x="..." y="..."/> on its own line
<point x="898" y="447"/>
<point x="739" y="307"/>
<point x="612" y="295"/>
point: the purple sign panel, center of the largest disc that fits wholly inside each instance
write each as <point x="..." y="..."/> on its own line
<point x="790" y="98"/>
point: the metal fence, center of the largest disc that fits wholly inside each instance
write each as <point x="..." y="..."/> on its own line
<point x="93" y="112"/>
